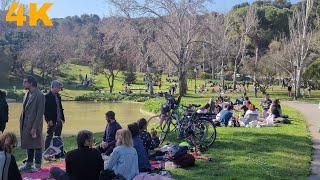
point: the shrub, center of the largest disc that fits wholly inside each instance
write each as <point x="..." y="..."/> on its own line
<point x="15" y="95"/>
<point x="107" y="97"/>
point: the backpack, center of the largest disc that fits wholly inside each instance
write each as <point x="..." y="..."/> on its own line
<point x="55" y="149"/>
<point x="177" y="151"/>
<point x="186" y="160"/>
<point x="165" y="108"/>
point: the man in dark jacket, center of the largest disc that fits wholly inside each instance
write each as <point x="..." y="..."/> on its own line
<point x="109" y="136"/>
<point x="4" y="110"/>
<point x="54" y="115"/>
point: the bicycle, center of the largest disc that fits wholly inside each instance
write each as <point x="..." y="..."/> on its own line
<point x="198" y="128"/>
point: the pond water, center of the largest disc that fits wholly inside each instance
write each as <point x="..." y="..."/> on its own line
<point x="83" y="115"/>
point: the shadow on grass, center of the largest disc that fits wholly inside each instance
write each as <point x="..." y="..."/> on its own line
<point x="243" y="154"/>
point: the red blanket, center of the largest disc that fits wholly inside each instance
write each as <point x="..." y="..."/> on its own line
<point x="43" y="174"/>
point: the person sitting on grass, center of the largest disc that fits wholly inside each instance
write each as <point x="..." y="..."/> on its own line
<point x="155" y="139"/>
<point x="8" y="165"/>
<point x="217" y="108"/>
<point x="265" y="104"/>
<point x="226" y="115"/>
<point x="124" y="158"/>
<point x="252" y="114"/>
<point x="275" y="109"/>
<point x="204" y="109"/>
<point x="143" y="159"/>
<point x="245" y="105"/>
<point x="109" y="141"/>
<point x="145" y="136"/>
<point x="82" y="163"/>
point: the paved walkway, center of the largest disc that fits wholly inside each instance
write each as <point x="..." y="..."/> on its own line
<point x="312" y="115"/>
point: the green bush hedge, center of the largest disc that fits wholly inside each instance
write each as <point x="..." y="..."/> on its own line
<point x="107" y="97"/>
<point x="15" y="95"/>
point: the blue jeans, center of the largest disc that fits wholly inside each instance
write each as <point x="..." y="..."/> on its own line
<point x="34" y="154"/>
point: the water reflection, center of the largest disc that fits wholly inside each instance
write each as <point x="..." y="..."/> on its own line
<point x="83" y="115"/>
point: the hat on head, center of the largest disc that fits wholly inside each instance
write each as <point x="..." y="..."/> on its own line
<point x="56" y="83"/>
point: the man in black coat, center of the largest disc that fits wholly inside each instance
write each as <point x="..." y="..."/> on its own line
<point x="54" y="115"/>
<point x="4" y="110"/>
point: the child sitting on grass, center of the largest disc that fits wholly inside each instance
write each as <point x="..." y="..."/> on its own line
<point x="155" y="139"/>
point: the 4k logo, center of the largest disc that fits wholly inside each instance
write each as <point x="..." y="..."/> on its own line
<point x="16" y="14"/>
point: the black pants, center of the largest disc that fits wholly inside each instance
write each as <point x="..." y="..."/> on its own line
<point x="56" y="130"/>
<point x="2" y="126"/>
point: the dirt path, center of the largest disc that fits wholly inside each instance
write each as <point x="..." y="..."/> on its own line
<point x="312" y="115"/>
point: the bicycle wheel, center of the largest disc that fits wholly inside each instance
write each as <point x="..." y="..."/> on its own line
<point x="162" y="128"/>
<point x="154" y="122"/>
<point x="165" y="129"/>
<point x="204" y="133"/>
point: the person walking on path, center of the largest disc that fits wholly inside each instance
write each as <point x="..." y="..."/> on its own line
<point x="289" y="90"/>
<point x="53" y="113"/>
<point x="31" y="124"/>
<point x="4" y="110"/>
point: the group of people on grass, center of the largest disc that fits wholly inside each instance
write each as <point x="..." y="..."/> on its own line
<point x="224" y="110"/>
<point x="128" y="150"/>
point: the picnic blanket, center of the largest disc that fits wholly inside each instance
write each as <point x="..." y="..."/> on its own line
<point x="44" y="173"/>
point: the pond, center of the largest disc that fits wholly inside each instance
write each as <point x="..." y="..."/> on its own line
<point x="83" y="115"/>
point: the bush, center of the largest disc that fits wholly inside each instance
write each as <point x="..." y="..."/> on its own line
<point x="107" y="97"/>
<point x="15" y="95"/>
<point x="153" y="105"/>
<point x="205" y="76"/>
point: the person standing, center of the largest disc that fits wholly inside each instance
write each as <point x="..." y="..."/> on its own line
<point x="290" y="90"/>
<point x="53" y="113"/>
<point x="31" y="124"/>
<point x="4" y="110"/>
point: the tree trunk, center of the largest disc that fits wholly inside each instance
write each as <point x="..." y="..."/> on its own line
<point x="182" y="80"/>
<point x="298" y="81"/>
<point x="111" y="83"/>
<point x="212" y="70"/>
<point x="255" y="64"/>
<point x="235" y="75"/>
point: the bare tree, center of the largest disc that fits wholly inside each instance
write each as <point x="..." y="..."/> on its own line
<point x="248" y="28"/>
<point x="297" y="45"/>
<point x="220" y="43"/>
<point x="178" y="28"/>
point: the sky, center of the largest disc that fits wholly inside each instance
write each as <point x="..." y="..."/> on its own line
<point x="64" y="8"/>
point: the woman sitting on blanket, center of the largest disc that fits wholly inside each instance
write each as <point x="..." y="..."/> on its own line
<point x="251" y="114"/>
<point x="8" y="165"/>
<point x="150" y="142"/>
<point x="124" y="158"/>
<point x="275" y="109"/>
